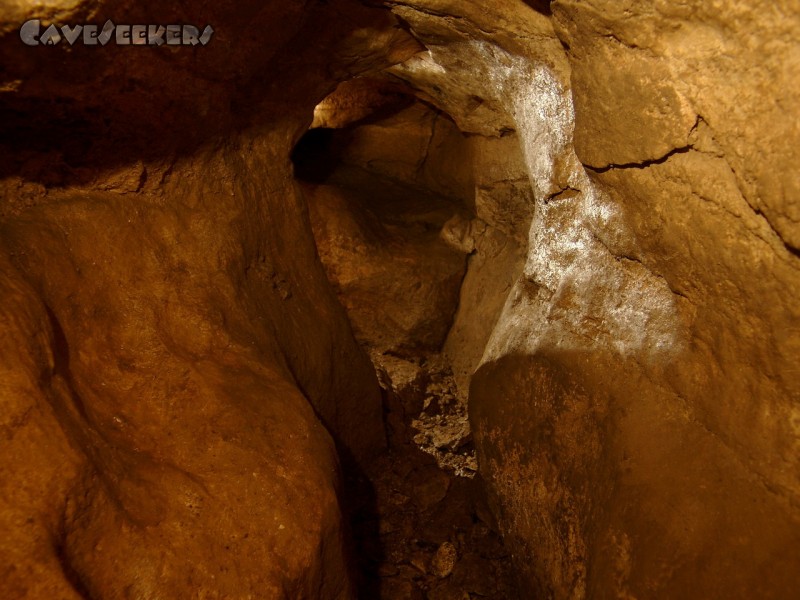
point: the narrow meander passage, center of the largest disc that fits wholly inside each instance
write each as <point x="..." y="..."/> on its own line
<point x="388" y="221"/>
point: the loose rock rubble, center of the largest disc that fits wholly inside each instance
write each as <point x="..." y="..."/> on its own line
<point x="422" y="527"/>
<point x="443" y="427"/>
<point x="426" y="394"/>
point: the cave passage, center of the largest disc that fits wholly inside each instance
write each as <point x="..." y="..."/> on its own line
<point x="401" y="300"/>
<point x="384" y="197"/>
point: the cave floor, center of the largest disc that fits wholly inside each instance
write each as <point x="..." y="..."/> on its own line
<point x="421" y="531"/>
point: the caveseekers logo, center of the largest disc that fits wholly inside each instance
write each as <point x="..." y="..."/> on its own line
<point x="122" y="35"/>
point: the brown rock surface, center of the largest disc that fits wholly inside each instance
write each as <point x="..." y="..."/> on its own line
<point x="167" y="327"/>
<point x="39" y="464"/>
<point x="635" y="408"/>
<point x="371" y="261"/>
<point x="187" y="435"/>
<point x="388" y="213"/>
<point x="731" y="68"/>
<point x="587" y="210"/>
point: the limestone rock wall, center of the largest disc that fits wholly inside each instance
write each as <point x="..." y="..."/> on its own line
<point x="635" y="409"/>
<point x="179" y="380"/>
<point x="178" y="376"/>
<point x="390" y="207"/>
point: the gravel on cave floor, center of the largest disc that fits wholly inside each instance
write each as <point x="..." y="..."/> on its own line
<point x="421" y="531"/>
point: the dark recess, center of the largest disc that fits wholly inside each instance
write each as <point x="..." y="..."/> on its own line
<point x="542" y="6"/>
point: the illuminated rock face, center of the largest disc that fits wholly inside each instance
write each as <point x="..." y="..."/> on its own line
<point x="635" y="408"/>
<point x="181" y="386"/>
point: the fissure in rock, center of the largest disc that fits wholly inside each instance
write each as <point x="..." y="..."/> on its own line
<point x="387" y="196"/>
